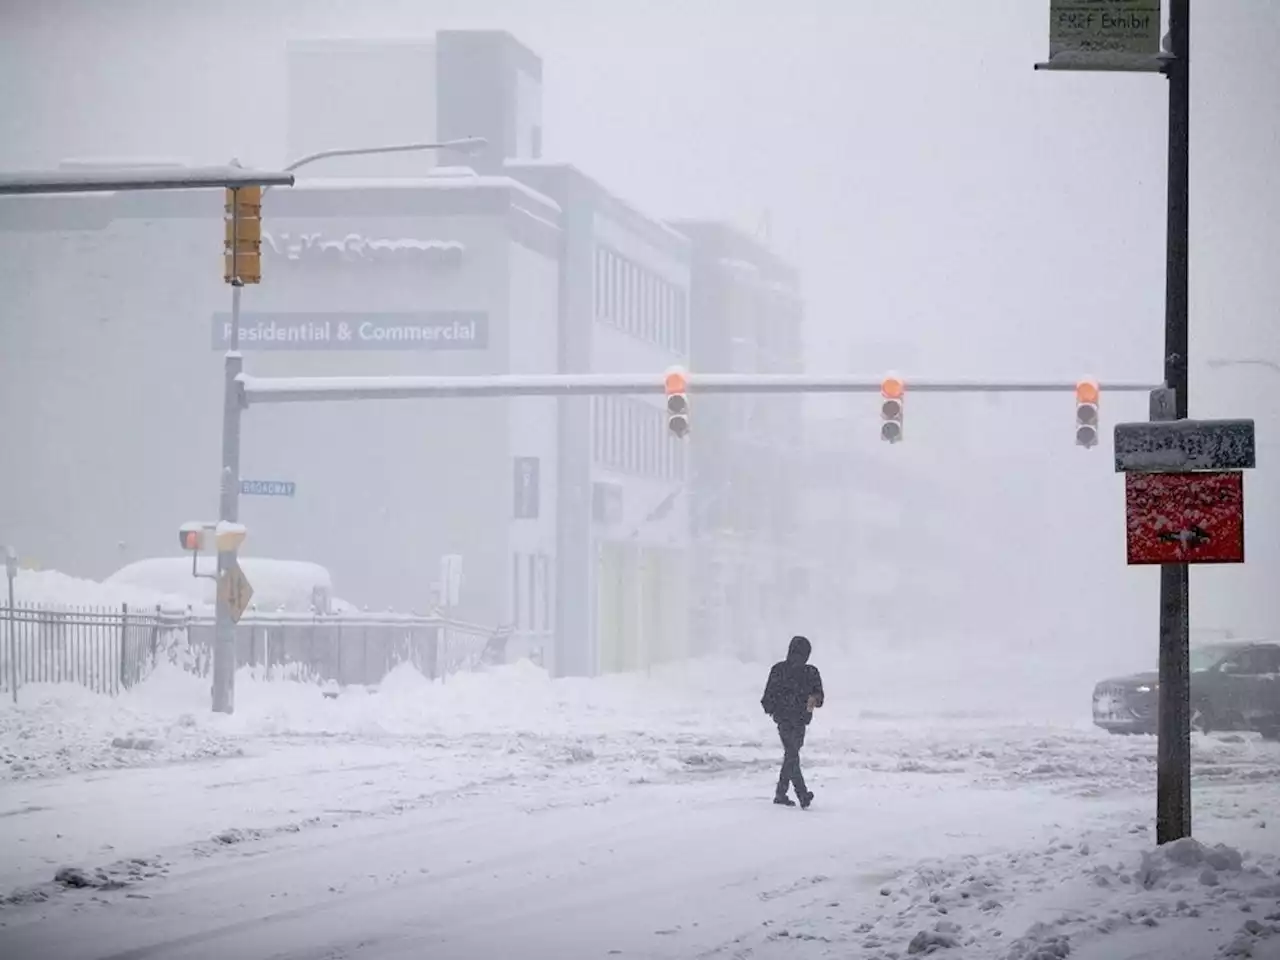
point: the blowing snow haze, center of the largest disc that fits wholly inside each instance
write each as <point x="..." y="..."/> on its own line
<point x="521" y="582"/>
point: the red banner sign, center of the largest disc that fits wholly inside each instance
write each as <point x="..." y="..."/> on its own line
<point x="1185" y="517"/>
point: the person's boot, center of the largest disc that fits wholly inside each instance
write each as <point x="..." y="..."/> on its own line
<point x="783" y="800"/>
<point x="806" y="798"/>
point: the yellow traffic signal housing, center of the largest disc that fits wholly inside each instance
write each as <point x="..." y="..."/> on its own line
<point x="249" y="200"/>
<point x="242" y="241"/>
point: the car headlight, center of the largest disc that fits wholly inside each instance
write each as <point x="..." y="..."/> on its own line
<point x="1143" y="689"/>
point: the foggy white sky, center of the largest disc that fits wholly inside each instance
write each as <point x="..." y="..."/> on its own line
<point x="942" y="199"/>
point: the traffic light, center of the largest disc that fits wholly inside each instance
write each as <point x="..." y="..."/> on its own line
<point x="1087" y="413"/>
<point x="892" y="397"/>
<point x="242" y="249"/>
<point x="677" y="383"/>
<point x="191" y="537"/>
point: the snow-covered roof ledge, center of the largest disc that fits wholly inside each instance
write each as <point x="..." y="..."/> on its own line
<point x="516" y="163"/>
<point x="118" y="163"/>
<point x="466" y="181"/>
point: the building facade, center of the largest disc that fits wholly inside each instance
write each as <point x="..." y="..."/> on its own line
<point x="750" y="573"/>
<point x="624" y="503"/>
<point x="121" y="379"/>
<point x="580" y="521"/>
<point x="379" y="270"/>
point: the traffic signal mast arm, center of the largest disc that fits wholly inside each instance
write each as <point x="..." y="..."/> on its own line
<point x="257" y="390"/>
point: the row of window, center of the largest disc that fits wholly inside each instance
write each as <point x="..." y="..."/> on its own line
<point x="531" y="597"/>
<point x="639" y="302"/>
<point x="631" y="436"/>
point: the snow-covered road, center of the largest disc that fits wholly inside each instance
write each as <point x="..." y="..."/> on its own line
<point x="626" y="818"/>
<point x="541" y="870"/>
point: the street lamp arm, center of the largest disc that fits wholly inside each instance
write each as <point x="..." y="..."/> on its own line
<point x="466" y="145"/>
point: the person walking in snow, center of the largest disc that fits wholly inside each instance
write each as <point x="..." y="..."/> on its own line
<point x="793" y="692"/>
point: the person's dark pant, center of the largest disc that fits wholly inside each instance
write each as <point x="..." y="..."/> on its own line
<point x="792" y="734"/>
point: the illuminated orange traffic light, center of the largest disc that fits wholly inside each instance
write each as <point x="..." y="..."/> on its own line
<point x="676" y="384"/>
<point x="893" y="396"/>
<point x="1087" y="395"/>
<point x="191" y="537"/>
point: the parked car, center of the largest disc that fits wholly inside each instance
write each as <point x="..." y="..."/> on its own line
<point x="1234" y="686"/>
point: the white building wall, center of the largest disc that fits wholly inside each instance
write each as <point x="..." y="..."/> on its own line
<point x="532" y="348"/>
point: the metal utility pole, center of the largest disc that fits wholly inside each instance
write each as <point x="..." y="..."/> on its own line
<point x="244" y="265"/>
<point x="1173" y="768"/>
<point x="1123" y="36"/>
<point x="224" y="649"/>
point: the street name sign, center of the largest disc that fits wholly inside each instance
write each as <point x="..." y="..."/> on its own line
<point x="1181" y="446"/>
<point x="1185" y="517"/>
<point x="268" y="488"/>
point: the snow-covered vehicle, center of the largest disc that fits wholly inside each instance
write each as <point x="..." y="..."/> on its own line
<point x="1234" y="686"/>
<point x="279" y="586"/>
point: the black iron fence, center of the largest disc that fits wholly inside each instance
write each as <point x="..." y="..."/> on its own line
<point x="350" y="649"/>
<point x="109" y="650"/>
<point x="104" y="649"/>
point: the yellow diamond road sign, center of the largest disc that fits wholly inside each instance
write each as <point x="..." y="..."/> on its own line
<point x="235" y="591"/>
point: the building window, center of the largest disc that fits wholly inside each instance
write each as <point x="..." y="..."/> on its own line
<point x="597" y="429"/>
<point x="516" y="606"/>
<point x="531" y="593"/>
<point x="599" y="277"/>
<point x="639" y="302"/>
<point x="681" y="322"/>
<point x="630" y="436"/>
<point x="664" y="311"/>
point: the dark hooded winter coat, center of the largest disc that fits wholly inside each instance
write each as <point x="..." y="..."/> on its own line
<point x="791" y="683"/>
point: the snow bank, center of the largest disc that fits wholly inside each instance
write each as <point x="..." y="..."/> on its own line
<point x="58" y="728"/>
<point x="62" y="728"/>
<point x="1105" y="895"/>
<point x="707" y="708"/>
<point x="283" y="584"/>
<point x="53" y="589"/>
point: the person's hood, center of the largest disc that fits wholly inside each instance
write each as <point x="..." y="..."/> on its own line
<point x="799" y="650"/>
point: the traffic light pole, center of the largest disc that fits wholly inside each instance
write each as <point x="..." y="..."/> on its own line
<point x="1173" y="772"/>
<point x="224" y="644"/>
<point x="242" y="390"/>
<point x="1173" y="751"/>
